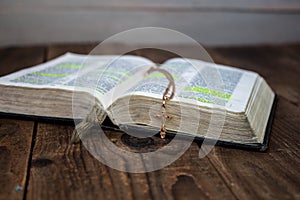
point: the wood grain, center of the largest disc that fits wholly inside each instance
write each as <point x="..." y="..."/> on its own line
<point x="189" y="178"/>
<point x="16" y="136"/>
<point x="14" y="58"/>
<point x="158" y="55"/>
<point x="15" y="144"/>
<point x="155" y="55"/>
<point x="273" y="174"/>
<point x="58" y="50"/>
<point x="65" y="171"/>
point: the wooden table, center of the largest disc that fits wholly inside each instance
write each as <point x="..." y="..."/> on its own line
<point x="37" y="161"/>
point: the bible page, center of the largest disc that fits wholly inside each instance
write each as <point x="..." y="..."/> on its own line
<point x="201" y="83"/>
<point x="97" y="75"/>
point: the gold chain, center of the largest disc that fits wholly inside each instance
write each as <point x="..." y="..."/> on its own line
<point x="165" y="98"/>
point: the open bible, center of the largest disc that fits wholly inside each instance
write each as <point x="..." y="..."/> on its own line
<point x="207" y="95"/>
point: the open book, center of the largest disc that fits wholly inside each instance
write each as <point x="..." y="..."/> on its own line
<point x="207" y="95"/>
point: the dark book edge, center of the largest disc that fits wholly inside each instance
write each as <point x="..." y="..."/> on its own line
<point x="42" y="119"/>
<point x="107" y="124"/>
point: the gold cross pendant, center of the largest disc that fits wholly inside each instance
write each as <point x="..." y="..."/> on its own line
<point x="164" y="116"/>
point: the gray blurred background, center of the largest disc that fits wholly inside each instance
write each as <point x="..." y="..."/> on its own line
<point x="211" y="22"/>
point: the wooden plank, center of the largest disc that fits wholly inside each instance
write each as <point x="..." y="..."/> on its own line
<point x="273" y="174"/>
<point x="156" y="55"/>
<point x="14" y="58"/>
<point x="16" y="136"/>
<point x="189" y="178"/>
<point x="78" y="175"/>
<point x="74" y="173"/>
<point x="15" y="144"/>
<point x="58" y="50"/>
